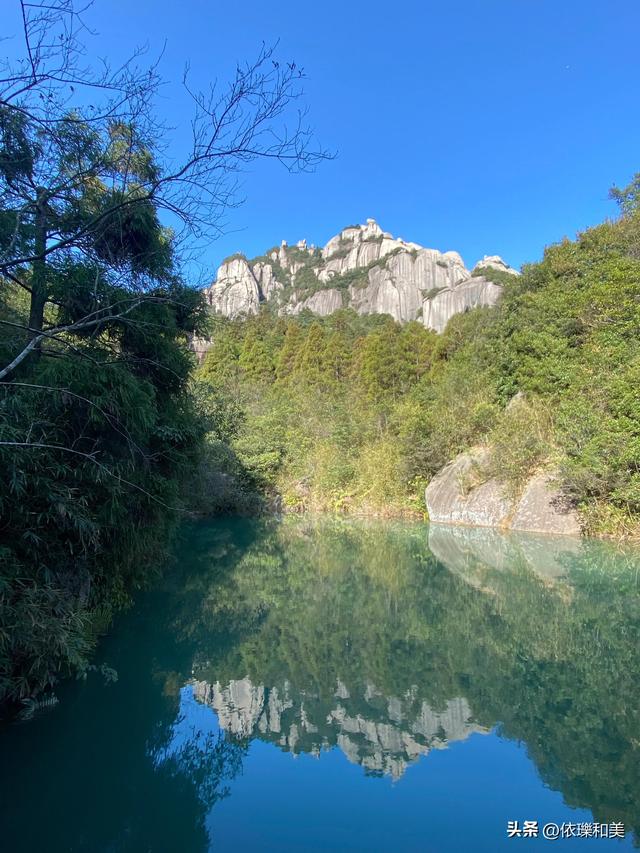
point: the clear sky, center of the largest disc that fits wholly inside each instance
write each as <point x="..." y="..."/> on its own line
<point x="484" y="126"/>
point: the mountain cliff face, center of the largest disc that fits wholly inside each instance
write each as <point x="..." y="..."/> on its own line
<point x="362" y="267"/>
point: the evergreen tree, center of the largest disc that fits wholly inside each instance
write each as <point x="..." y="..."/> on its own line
<point x="416" y="345"/>
<point x="255" y="358"/>
<point x="383" y="368"/>
<point x="311" y="364"/>
<point x="290" y="351"/>
<point x="221" y="361"/>
<point x="337" y="356"/>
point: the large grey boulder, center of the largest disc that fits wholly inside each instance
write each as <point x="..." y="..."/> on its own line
<point x="543" y="509"/>
<point x="461" y="494"/>
<point x="458" y="496"/>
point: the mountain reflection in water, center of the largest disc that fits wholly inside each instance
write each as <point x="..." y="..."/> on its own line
<point x="386" y="741"/>
<point x="379" y="641"/>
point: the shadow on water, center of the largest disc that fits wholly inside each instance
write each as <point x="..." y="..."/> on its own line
<point x="385" y="641"/>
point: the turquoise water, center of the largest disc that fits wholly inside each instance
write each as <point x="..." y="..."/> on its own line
<point x="321" y="684"/>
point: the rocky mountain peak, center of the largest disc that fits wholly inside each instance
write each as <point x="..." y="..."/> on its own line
<point x="494" y="262"/>
<point x="362" y="267"/>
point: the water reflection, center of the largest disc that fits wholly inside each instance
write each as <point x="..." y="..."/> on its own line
<point x="363" y="638"/>
<point x="382" y="641"/>
<point x="383" y="740"/>
<point x="474" y="552"/>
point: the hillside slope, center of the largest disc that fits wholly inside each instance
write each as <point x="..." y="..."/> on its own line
<point x="359" y="413"/>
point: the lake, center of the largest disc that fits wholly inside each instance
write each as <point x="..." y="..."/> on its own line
<point x="318" y="684"/>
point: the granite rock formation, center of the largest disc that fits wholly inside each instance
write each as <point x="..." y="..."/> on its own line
<point x="460" y="494"/>
<point x="362" y="267"/>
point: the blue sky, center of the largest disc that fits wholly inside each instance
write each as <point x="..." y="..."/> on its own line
<point x="488" y="126"/>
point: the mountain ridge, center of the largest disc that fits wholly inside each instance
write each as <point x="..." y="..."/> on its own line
<point x="362" y="267"/>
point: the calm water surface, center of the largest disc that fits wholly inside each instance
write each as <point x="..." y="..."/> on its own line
<point x="318" y="685"/>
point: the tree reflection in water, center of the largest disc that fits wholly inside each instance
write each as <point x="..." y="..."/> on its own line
<point x="384" y="640"/>
<point x="359" y="635"/>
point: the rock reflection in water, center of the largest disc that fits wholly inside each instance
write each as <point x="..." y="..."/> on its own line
<point x="385" y="743"/>
<point x="390" y="640"/>
<point x="474" y="552"/>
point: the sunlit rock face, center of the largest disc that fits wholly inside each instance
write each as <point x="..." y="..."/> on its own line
<point x="382" y="734"/>
<point x="461" y="493"/>
<point x="362" y="267"/>
<point x="474" y="292"/>
<point x="239" y="294"/>
<point x="322" y="303"/>
<point x="495" y="262"/>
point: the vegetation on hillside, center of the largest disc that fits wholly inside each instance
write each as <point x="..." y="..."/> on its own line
<point x="319" y="404"/>
<point x="358" y="413"/>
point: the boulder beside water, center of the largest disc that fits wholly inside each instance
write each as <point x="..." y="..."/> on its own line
<point x="459" y="494"/>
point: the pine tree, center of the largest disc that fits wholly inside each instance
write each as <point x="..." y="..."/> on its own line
<point x="290" y="352"/>
<point x="311" y="366"/>
<point x="416" y="344"/>
<point x="255" y="358"/>
<point x="337" y="357"/>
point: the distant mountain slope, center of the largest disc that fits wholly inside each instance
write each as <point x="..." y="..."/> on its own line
<point x="364" y="268"/>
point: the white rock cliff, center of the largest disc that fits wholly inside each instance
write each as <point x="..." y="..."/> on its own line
<point x="462" y="494"/>
<point x="364" y="268"/>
